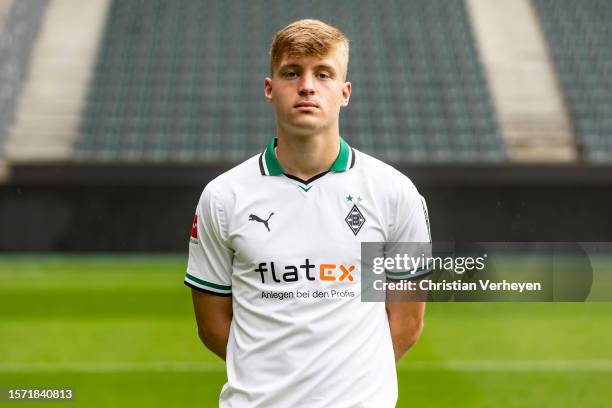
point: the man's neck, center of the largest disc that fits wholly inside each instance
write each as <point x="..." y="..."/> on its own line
<point x="306" y="156"/>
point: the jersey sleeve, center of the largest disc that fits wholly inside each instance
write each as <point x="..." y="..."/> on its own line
<point x="210" y="259"/>
<point x="409" y="233"/>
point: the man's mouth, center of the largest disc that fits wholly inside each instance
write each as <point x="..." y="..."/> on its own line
<point x="306" y="106"/>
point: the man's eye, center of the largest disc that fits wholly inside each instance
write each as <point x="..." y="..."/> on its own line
<point x="290" y="74"/>
<point x="323" y="75"/>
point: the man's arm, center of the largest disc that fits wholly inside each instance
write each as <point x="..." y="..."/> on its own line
<point x="406" y="324"/>
<point x="213" y="316"/>
<point x="405" y="312"/>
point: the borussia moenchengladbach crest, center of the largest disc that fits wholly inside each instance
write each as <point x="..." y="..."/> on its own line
<point x="355" y="219"/>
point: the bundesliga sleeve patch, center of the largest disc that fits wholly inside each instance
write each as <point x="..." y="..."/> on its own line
<point x="194" y="227"/>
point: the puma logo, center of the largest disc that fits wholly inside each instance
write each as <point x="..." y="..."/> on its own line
<point x="253" y="217"/>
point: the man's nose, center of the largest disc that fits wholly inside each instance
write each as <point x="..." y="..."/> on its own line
<point x="306" y="85"/>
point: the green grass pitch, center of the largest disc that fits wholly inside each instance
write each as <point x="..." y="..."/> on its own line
<point x="120" y="331"/>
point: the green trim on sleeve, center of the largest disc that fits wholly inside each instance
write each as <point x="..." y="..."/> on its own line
<point x="208" y="284"/>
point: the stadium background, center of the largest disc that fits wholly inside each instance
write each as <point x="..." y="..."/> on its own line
<point x="114" y="114"/>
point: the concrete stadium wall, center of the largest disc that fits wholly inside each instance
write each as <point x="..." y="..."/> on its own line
<point x="71" y="208"/>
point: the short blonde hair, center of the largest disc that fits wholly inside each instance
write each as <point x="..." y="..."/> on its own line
<point x="306" y="38"/>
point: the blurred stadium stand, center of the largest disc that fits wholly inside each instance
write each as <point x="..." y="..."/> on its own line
<point x="529" y="103"/>
<point x="19" y="26"/>
<point x="61" y="64"/>
<point x="115" y="113"/>
<point x="580" y="36"/>
<point x="183" y="82"/>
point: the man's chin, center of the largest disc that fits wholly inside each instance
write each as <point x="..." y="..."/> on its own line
<point x="304" y="128"/>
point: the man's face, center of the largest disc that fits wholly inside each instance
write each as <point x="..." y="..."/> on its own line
<point x="308" y="91"/>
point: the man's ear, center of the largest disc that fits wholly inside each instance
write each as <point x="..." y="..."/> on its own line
<point x="268" y="89"/>
<point x="346" y="93"/>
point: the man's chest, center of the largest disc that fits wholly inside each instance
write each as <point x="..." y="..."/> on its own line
<point x="312" y="237"/>
<point x="300" y="224"/>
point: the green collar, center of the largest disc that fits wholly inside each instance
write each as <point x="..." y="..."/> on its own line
<point x="270" y="166"/>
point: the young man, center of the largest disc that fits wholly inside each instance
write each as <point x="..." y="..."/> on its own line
<point x="274" y="258"/>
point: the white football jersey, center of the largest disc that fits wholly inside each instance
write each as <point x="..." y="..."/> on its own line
<point x="288" y="253"/>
